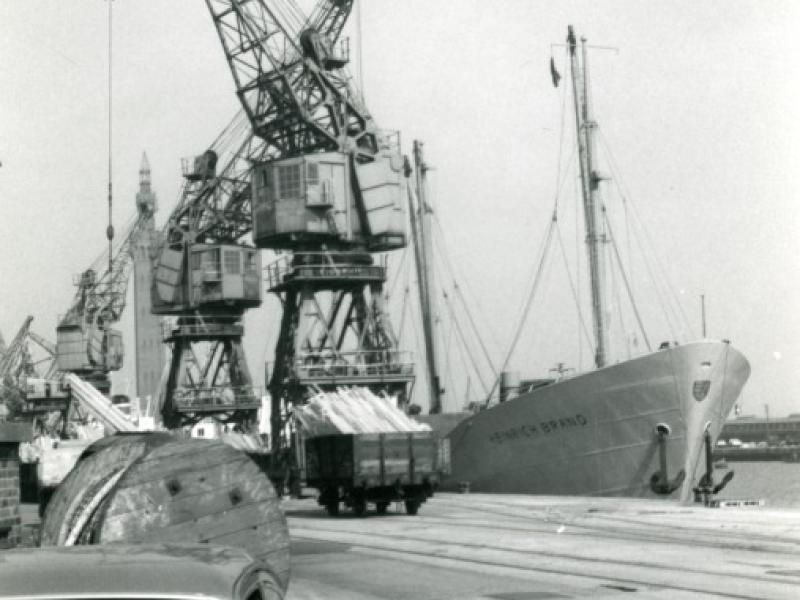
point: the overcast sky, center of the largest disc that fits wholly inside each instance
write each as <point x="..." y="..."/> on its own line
<point x="698" y="106"/>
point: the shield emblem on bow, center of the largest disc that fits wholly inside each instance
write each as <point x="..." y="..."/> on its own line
<point x="700" y="389"/>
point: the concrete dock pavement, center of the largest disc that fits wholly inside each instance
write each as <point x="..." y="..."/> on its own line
<point x="506" y="547"/>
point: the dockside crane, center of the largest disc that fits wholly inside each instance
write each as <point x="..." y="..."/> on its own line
<point x="14" y="361"/>
<point x="206" y="277"/>
<point x="86" y="342"/>
<point x="17" y="362"/>
<point x="31" y="379"/>
<point x="328" y="191"/>
<point x="206" y="274"/>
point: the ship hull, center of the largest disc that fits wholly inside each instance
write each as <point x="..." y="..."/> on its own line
<point x="596" y="433"/>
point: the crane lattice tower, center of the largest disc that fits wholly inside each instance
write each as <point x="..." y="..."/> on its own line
<point x="205" y="279"/>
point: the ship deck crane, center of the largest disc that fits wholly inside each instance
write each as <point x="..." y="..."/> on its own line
<point x="330" y="192"/>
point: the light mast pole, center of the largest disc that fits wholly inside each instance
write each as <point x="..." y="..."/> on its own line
<point x="592" y="203"/>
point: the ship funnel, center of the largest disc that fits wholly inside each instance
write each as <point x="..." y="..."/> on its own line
<point x="509" y="385"/>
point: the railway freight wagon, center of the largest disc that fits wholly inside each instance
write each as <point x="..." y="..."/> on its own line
<point x="376" y="468"/>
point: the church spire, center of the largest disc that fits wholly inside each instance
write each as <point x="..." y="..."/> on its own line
<point x="145" y="199"/>
<point x="144" y="174"/>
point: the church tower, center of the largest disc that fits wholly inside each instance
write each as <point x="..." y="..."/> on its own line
<point x="149" y="347"/>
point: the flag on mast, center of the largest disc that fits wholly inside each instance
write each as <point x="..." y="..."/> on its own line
<point x="554" y="72"/>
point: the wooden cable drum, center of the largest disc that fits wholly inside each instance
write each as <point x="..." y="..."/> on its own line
<point x="161" y="488"/>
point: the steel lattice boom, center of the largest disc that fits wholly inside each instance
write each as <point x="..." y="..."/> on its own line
<point x="291" y="82"/>
<point x="214" y="206"/>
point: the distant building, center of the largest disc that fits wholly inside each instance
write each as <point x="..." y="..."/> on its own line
<point x="757" y="429"/>
<point x="149" y="347"/>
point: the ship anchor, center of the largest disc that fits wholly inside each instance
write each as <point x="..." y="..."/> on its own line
<point x="705" y="488"/>
<point x="660" y="482"/>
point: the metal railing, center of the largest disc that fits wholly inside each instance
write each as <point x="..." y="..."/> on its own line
<point x="320" y="266"/>
<point x="364" y="364"/>
<point x="216" y="398"/>
<point x="200" y="326"/>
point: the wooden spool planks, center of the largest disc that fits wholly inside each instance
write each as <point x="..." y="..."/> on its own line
<point x="162" y="488"/>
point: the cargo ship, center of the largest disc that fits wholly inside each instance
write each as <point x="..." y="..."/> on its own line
<point x="606" y="432"/>
<point x="642" y="427"/>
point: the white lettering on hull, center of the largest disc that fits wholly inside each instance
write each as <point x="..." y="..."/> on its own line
<point x="531" y="430"/>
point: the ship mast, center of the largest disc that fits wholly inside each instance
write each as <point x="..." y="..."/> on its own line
<point x="590" y="188"/>
<point x="421" y="228"/>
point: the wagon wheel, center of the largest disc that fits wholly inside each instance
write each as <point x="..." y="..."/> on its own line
<point x="359" y="507"/>
<point x="412" y="506"/>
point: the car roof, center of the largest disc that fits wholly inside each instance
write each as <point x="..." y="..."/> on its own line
<point x="159" y="570"/>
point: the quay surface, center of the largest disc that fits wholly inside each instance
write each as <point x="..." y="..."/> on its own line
<point x="506" y="547"/>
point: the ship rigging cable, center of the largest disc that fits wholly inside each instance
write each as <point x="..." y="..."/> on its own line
<point x="462" y="338"/>
<point x="451" y="330"/>
<point x="448" y="372"/>
<point x="403" y="311"/>
<point x="110" y="228"/>
<point x="528" y="302"/>
<point x="679" y="315"/>
<point x="460" y="296"/>
<point x="440" y="241"/>
<point x="573" y="289"/>
<point x="666" y="308"/>
<point x="559" y="180"/>
<point x="464" y="347"/>
<point x="625" y="280"/>
<point x="397" y="273"/>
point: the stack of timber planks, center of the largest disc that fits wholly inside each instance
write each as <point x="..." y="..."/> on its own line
<point x="353" y="410"/>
